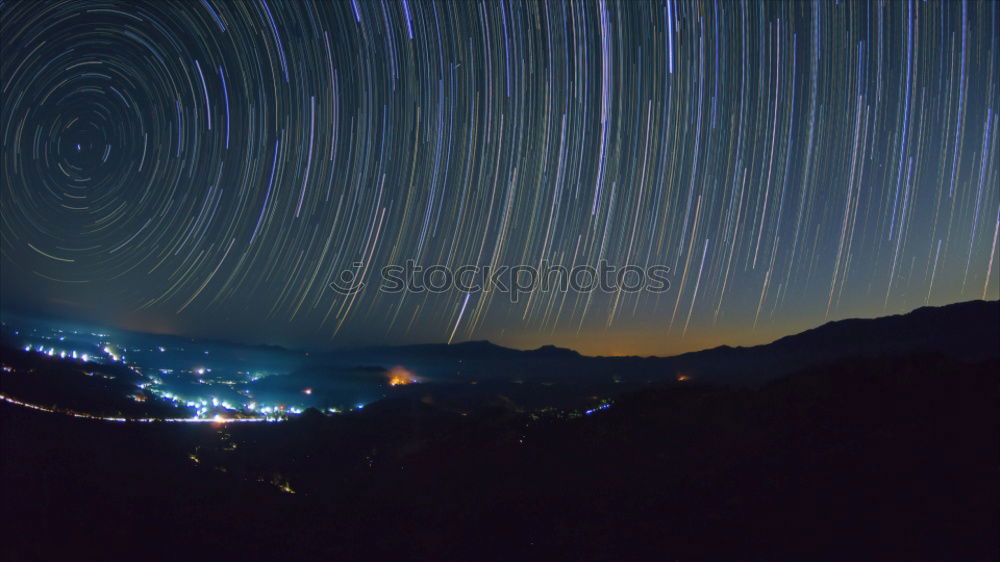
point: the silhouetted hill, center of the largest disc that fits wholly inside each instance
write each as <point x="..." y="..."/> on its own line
<point x="968" y="331"/>
<point x="552" y="351"/>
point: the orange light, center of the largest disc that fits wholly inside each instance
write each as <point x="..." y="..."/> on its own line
<point x="682" y="378"/>
<point x="399" y="376"/>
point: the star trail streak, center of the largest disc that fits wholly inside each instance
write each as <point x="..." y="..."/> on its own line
<point x="209" y="167"/>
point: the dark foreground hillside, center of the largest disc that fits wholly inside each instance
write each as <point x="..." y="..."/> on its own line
<point x="863" y="459"/>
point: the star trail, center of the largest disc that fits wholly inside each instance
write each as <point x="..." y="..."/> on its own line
<point x="209" y="167"/>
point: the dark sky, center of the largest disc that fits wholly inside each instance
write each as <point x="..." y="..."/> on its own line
<point x="209" y="167"/>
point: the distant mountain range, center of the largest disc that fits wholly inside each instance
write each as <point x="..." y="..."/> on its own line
<point x="968" y="331"/>
<point x="964" y="331"/>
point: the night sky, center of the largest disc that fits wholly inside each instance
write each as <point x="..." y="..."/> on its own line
<point x="209" y="167"/>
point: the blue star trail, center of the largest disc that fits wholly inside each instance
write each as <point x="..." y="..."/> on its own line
<point x="209" y="167"/>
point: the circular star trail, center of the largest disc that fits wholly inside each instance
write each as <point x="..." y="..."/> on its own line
<point x="209" y="167"/>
